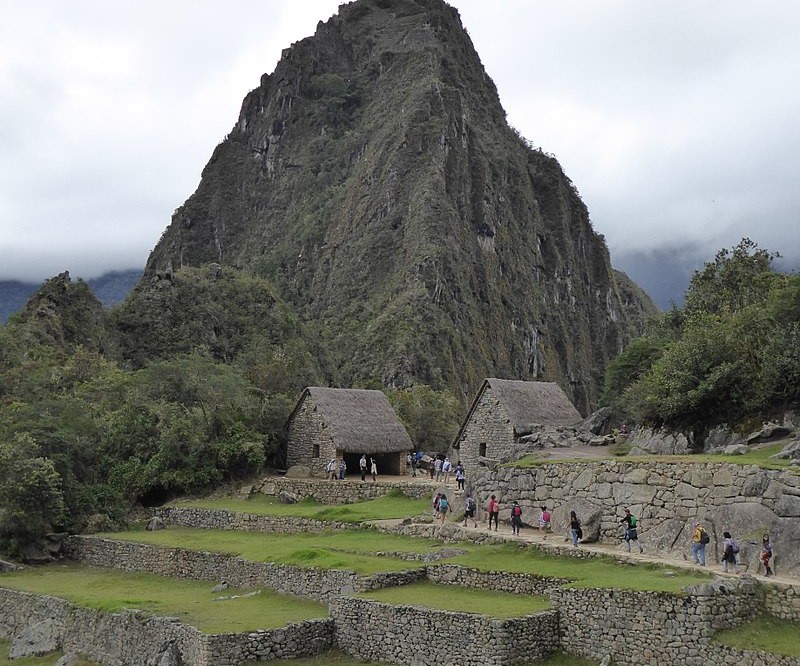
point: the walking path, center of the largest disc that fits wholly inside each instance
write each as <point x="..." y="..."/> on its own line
<point x="559" y="542"/>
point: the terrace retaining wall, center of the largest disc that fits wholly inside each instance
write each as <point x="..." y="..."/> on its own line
<point x="339" y="492"/>
<point x="375" y="631"/>
<point x="133" y="638"/>
<point x="221" y="519"/>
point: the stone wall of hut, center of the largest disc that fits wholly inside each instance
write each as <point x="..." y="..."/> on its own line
<point x="488" y="425"/>
<point x="309" y="442"/>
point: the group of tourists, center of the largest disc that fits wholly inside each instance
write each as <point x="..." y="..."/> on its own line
<point x="336" y="469"/>
<point x="730" y="550"/>
<point x="373" y="468"/>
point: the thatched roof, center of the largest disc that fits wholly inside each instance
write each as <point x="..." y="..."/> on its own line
<point x="359" y="420"/>
<point x="528" y="404"/>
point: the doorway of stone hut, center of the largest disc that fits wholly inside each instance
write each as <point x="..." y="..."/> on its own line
<point x="388" y="463"/>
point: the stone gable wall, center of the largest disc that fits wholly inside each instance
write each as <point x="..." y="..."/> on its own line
<point x="489" y="424"/>
<point x="305" y="430"/>
<point x="426" y="637"/>
<point x="132" y="638"/>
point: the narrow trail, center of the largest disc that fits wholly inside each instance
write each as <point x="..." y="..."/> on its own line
<point x="557" y="542"/>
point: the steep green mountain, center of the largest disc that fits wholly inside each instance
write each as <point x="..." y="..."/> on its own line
<point x="374" y="180"/>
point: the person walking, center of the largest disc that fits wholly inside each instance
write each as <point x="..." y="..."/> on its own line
<point x="447" y="467"/>
<point x="411" y="463"/>
<point x="469" y="510"/>
<point x="373" y="469"/>
<point x="331" y="469"/>
<point x="575" y="528"/>
<point x="437" y="465"/>
<point x="699" y="540"/>
<point x="444" y="507"/>
<point x="493" y="510"/>
<point x="766" y="554"/>
<point x="516" y="518"/>
<point x="631" y="530"/>
<point x="460" y="475"/>
<point x="362" y="465"/>
<point x="730" y="549"/>
<point x="544" y="520"/>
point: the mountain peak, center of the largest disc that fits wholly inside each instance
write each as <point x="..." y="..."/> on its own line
<point x="374" y="180"/>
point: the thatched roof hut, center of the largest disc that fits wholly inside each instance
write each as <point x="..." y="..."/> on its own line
<point x="346" y="423"/>
<point x="504" y="410"/>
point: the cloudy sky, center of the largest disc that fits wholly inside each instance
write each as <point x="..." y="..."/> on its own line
<point x="679" y="121"/>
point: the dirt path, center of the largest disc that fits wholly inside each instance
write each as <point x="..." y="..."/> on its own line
<point x="556" y="543"/>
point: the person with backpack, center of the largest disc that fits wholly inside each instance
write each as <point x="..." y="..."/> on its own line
<point x="631" y="530"/>
<point x="699" y="540"/>
<point x="544" y="520"/>
<point x="730" y="549"/>
<point x="516" y="518"/>
<point x="576" y="532"/>
<point x="444" y="507"/>
<point x="766" y="554"/>
<point x="469" y="510"/>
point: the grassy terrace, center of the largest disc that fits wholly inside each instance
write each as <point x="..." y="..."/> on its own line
<point x="500" y="605"/>
<point x="191" y="601"/>
<point x="393" y="505"/>
<point x="359" y="551"/>
<point x="765" y="633"/>
<point x="757" y="455"/>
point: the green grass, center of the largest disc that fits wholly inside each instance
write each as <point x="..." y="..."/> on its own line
<point x="393" y="505"/>
<point x="350" y="550"/>
<point x="356" y="551"/>
<point x="499" y="605"/>
<point x="192" y="601"/>
<point x="765" y="633"/>
<point x="758" y="455"/>
<point x="48" y="660"/>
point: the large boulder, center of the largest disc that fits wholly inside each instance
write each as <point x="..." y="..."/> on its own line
<point x="769" y="432"/>
<point x="36" y="641"/>
<point x="720" y="438"/>
<point x="588" y="513"/>
<point x="789" y="452"/>
<point x="645" y="441"/>
<point x="597" y="423"/>
<point x="298" y="472"/>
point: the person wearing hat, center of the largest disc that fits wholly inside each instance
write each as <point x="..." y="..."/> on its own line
<point x="699" y="541"/>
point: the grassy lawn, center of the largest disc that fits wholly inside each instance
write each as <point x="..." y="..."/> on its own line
<point x="356" y="551"/>
<point x="192" y="601"/>
<point x="49" y="660"/>
<point x="757" y="455"/>
<point x="350" y="550"/>
<point x="499" y="605"/>
<point x="765" y="633"/>
<point x="393" y="505"/>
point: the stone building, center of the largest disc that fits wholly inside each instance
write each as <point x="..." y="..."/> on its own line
<point x="505" y="410"/>
<point x="334" y="423"/>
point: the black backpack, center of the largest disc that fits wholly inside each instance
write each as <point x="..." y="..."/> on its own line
<point x="704" y="538"/>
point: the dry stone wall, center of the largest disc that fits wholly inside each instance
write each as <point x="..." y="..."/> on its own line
<point x="220" y="519"/>
<point x="659" y="628"/>
<point x="319" y="584"/>
<point x="306" y="431"/>
<point x="132" y="638"/>
<point x="338" y="492"/>
<point x="667" y="498"/>
<point x="426" y="637"/>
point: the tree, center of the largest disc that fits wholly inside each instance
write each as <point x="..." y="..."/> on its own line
<point x="429" y="416"/>
<point x="31" y="502"/>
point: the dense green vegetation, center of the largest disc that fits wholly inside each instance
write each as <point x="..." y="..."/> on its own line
<point x="184" y="387"/>
<point x="730" y="355"/>
<point x="111" y="590"/>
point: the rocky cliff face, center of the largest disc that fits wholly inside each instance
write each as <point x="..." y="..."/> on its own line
<point x="374" y="179"/>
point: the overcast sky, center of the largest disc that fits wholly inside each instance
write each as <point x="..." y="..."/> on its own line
<point x="679" y="121"/>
